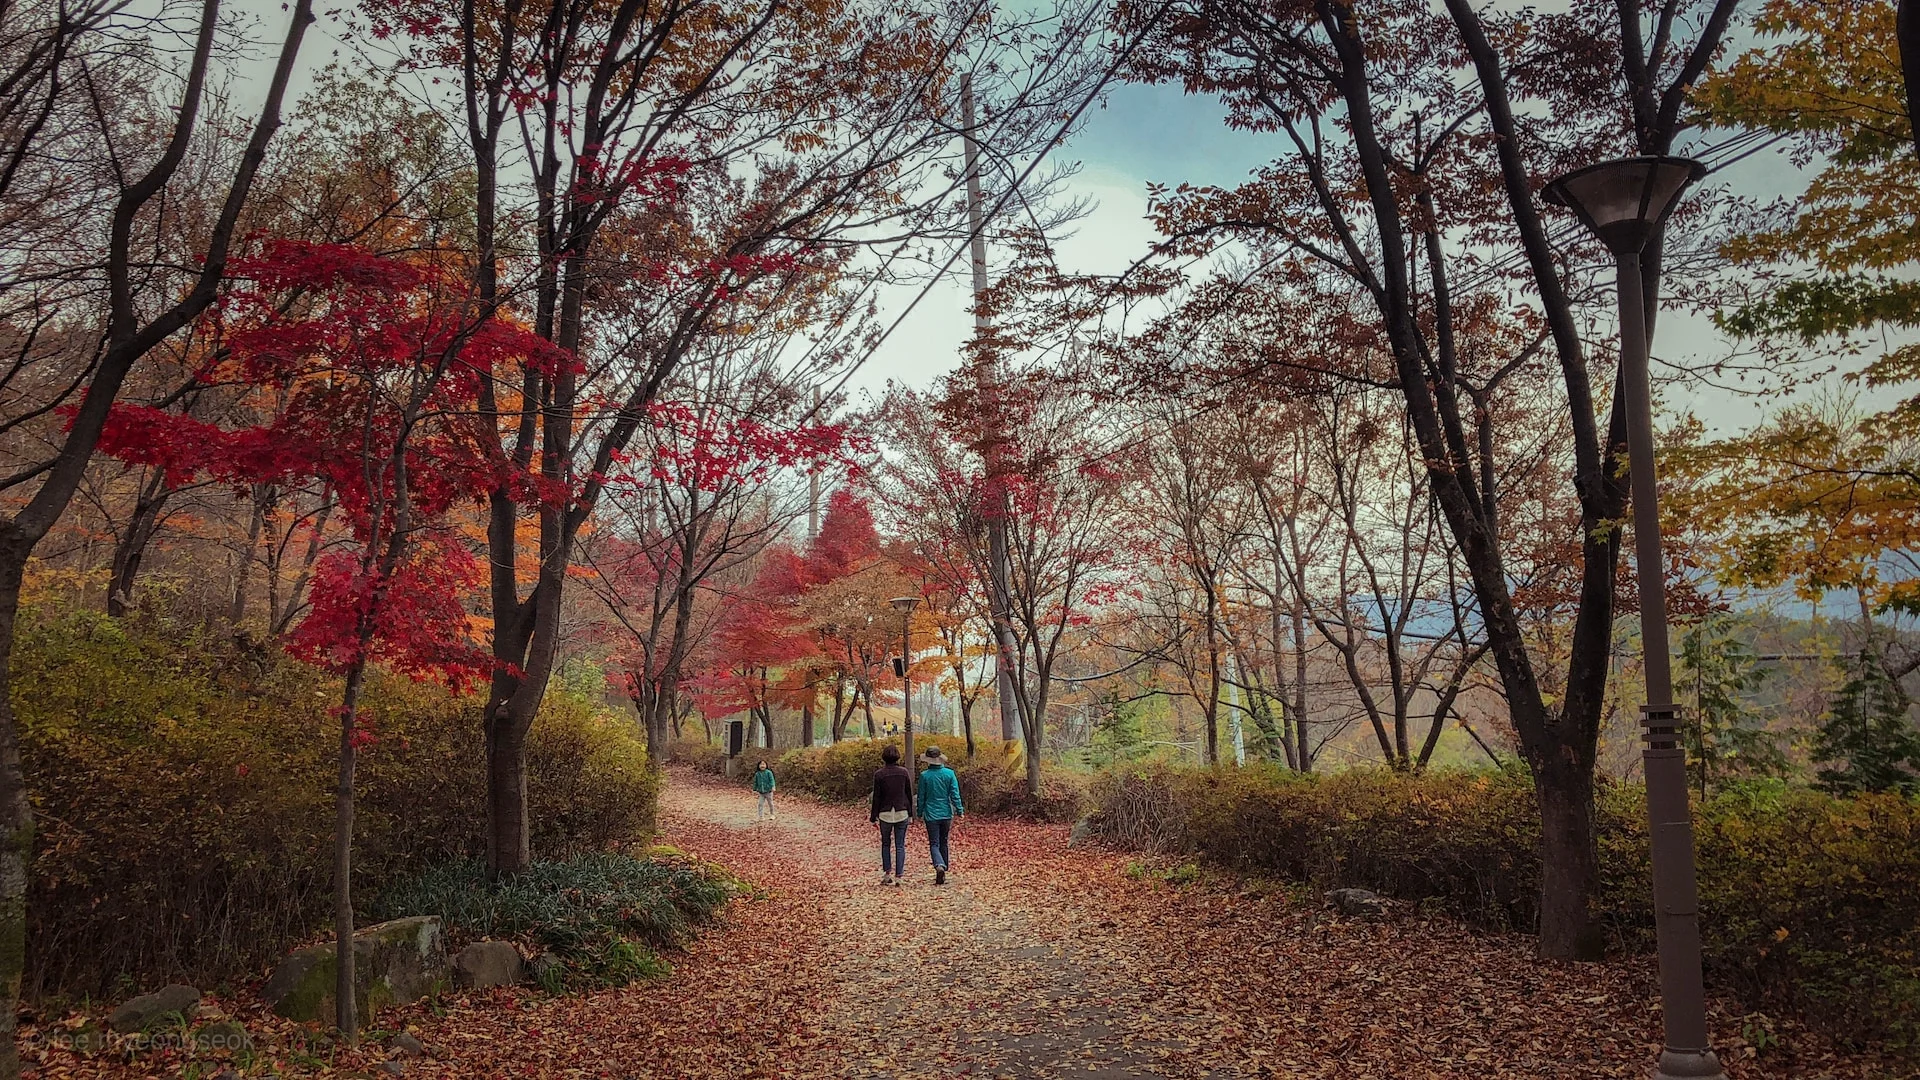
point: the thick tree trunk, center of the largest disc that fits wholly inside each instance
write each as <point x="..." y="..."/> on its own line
<point x="1569" y="862"/>
<point x="16" y="814"/>
<point x="509" y="843"/>
<point x="806" y="725"/>
<point x="345" y="1011"/>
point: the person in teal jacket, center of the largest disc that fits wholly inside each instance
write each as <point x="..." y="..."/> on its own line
<point x="764" y="783"/>
<point x="939" y="804"/>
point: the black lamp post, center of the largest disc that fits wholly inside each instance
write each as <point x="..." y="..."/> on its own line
<point x="1625" y="202"/>
<point x="905" y="605"/>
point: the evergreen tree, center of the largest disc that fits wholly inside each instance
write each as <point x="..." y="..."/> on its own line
<point x="1868" y="739"/>
<point x="1728" y="737"/>
<point x="1120" y="736"/>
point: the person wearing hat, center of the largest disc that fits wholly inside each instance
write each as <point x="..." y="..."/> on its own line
<point x="939" y="804"/>
<point x="892" y="806"/>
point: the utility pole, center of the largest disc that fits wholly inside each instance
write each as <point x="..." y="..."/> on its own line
<point x="993" y="438"/>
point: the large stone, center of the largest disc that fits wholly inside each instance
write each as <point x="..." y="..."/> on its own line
<point x="1357" y="902"/>
<point x="223" y="1035"/>
<point x="487" y="963"/>
<point x="393" y="963"/>
<point x="136" y="1013"/>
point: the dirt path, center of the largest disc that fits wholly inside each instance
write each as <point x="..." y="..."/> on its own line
<point x="970" y="978"/>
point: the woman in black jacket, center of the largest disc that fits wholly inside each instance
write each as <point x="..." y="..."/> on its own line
<point x="892" y="809"/>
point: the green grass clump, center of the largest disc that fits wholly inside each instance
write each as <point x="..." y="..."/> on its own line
<point x="604" y="915"/>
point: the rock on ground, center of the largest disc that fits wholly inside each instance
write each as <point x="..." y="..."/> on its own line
<point x="488" y="963"/>
<point x="1357" y="902"/>
<point x="393" y="963"/>
<point x="136" y="1013"/>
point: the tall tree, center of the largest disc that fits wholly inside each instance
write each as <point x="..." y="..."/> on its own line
<point x="70" y="73"/>
<point x="1400" y="181"/>
<point x="633" y="124"/>
<point x="385" y="360"/>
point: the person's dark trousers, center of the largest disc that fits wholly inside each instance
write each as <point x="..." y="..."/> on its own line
<point x="937" y="832"/>
<point x="893" y="860"/>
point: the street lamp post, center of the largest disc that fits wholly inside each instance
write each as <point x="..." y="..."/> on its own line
<point x="1625" y="202"/>
<point x="905" y="605"/>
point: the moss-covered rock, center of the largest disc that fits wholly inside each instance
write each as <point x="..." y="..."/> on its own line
<point x="393" y="963"/>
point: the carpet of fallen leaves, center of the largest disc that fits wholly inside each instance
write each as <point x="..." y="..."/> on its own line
<point x="1033" y="961"/>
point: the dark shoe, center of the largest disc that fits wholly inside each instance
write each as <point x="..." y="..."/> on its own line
<point x="939" y="877"/>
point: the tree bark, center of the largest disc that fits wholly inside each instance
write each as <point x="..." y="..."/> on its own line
<point x="510" y="847"/>
<point x="16" y="814"/>
<point x="1569" y="859"/>
<point x="345" y="1008"/>
<point x="131" y="548"/>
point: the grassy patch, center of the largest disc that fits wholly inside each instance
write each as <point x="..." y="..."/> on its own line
<point x="604" y="915"/>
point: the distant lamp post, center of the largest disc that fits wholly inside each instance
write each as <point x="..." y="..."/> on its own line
<point x="1625" y="202"/>
<point x="905" y="605"/>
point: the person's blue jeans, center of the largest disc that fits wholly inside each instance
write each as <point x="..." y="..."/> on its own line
<point x="893" y="860"/>
<point x="938" y="830"/>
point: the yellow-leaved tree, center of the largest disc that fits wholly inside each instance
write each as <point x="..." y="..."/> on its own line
<point x="1825" y="496"/>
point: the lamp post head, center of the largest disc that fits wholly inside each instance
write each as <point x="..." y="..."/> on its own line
<point x="1624" y="201"/>
<point x="905" y="604"/>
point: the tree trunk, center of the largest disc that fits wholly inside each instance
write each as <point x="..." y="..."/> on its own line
<point x="509" y="846"/>
<point x="1569" y="862"/>
<point x="1303" y="753"/>
<point x="16" y="814"/>
<point x="345" y="1011"/>
<point x="806" y="725"/>
<point x="1213" y="674"/>
<point x="131" y="548"/>
<point x="966" y="723"/>
<point x="243" y="573"/>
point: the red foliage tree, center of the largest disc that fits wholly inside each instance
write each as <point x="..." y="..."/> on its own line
<point x="380" y="363"/>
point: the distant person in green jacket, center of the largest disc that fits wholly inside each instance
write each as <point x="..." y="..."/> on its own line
<point x="939" y="805"/>
<point x="764" y="783"/>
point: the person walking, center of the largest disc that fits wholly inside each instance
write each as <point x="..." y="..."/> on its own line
<point x="764" y="783"/>
<point x="939" y="806"/>
<point x="892" y="806"/>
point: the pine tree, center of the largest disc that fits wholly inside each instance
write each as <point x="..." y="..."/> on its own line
<point x="1727" y="737"/>
<point x="1868" y="738"/>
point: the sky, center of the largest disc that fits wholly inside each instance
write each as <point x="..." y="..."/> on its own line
<point x="1148" y="134"/>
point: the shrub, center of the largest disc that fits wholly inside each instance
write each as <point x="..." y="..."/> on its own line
<point x="992" y="782"/>
<point x="1810" y="902"/>
<point x="603" y="914"/>
<point x="700" y="755"/>
<point x="182" y="786"/>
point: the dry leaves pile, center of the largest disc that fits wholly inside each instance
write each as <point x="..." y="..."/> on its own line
<point x="1038" y="962"/>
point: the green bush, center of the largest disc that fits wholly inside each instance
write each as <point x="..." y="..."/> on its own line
<point x="1810" y="903"/>
<point x="602" y="914"/>
<point x="992" y="782"/>
<point x="182" y="786"/>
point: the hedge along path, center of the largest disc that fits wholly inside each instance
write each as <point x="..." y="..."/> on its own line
<point x="1037" y="962"/>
